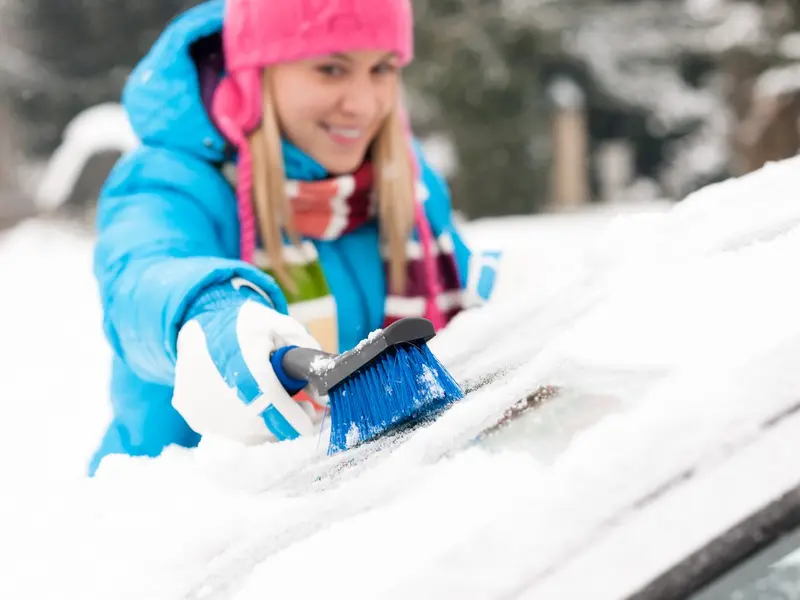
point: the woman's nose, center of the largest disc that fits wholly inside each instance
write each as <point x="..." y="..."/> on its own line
<point x="360" y="97"/>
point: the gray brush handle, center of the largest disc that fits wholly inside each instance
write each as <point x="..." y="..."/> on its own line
<point x="298" y="362"/>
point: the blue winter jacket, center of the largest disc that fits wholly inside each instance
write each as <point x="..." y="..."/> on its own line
<point x="167" y="229"/>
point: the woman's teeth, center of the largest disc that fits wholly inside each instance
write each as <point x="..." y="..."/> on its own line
<point x="345" y="132"/>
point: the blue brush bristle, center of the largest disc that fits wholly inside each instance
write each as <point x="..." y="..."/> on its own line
<point x="407" y="383"/>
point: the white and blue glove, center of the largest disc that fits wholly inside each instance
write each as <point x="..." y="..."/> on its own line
<point x="482" y="275"/>
<point x="224" y="382"/>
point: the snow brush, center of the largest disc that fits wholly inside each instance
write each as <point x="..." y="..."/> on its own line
<point x="390" y="379"/>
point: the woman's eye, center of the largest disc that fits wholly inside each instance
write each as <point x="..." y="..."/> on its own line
<point x="384" y="69"/>
<point x="332" y="70"/>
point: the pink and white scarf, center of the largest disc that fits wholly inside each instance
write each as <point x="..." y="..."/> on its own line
<point x="330" y="208"/>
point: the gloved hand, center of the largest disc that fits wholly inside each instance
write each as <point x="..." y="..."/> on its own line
<point x="482" y="277"/>
<point x="224" y="383"/>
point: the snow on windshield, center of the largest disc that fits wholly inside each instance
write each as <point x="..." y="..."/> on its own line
<point x="661" y="335"/>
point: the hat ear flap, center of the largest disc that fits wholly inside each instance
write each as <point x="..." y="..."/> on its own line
<point x="237" y="105"/>
<point x="237" y="111"/>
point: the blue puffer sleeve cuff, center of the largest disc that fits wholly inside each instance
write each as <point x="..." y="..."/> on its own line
<point x="227" y="294"/>
<point x="289" y="383"/>
<point x="152" y="301"/>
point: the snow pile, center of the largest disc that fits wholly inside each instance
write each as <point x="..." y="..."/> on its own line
<point x="55" y="360"/>
<point x="670" y="335"/>
<point x="100" y="128"/>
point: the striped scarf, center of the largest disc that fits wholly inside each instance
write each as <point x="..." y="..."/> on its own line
<point x="330" y="208"/>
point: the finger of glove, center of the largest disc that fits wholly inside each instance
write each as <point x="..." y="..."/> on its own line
<point x="256" y="331"/>
<point x="208" y="397"/>
<point x="280" y="329"/>
<point x="238" y="350"/>
<point x="290" y="332"/>
<point x="286" y="419"/>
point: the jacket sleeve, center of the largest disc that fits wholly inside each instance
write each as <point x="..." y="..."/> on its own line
<point x="167" y="230"/>
<point x="477" y="269"/>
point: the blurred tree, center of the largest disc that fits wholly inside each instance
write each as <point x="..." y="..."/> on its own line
<point x="480" y="74"/>
<point x="650" y="73"/>
<point x="765" y="87"/>
<point x="58" y="57"/>
<point x="12" y="207"/>
<point x="682" y="81"/>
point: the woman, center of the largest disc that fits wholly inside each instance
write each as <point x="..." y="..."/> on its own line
<point x="276" y="199"/>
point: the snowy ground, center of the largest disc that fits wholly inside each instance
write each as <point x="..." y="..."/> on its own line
<point x="669" y="333"/>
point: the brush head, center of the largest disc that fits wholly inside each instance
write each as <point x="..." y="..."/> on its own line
<point x="405" y="384"/>
<point x="390" y="379"/>
<point x="329" y="371"/>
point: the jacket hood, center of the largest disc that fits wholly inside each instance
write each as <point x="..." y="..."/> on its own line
<point x="162" y="96"/>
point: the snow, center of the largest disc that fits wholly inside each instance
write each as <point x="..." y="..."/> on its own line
<point x="684" y="520"/>
<point x="778" y="81"/>
<point x="636" y="54"/>
<point x="743" y="27"/>
<point x="440" y="151"/>
<point x="671" y="333"/>
<point x="100" y="128"/>
<point x="52" y="347"/>
<point x="567" y="94"/>
<point x="322" y="364"/>
<point x="353" y="436"/>
<point x="373" y="335"/>
<point x="619" y="44"/>
<point x="430" y="385"/>
<point x="789" y="46"/>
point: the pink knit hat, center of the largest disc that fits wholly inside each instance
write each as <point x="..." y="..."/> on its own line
<point x="259" y="33"/>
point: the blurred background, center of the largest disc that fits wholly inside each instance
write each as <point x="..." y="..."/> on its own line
<point x="528" y="106"/>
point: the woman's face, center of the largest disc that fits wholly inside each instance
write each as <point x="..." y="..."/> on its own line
<point x="332" y="107"/>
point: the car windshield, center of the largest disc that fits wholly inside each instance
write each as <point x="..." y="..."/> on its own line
<point x="628" y="348"/>
<point x="772" y="574"/>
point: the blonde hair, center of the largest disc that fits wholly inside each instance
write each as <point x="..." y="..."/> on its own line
<point x="394" y="186"/>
